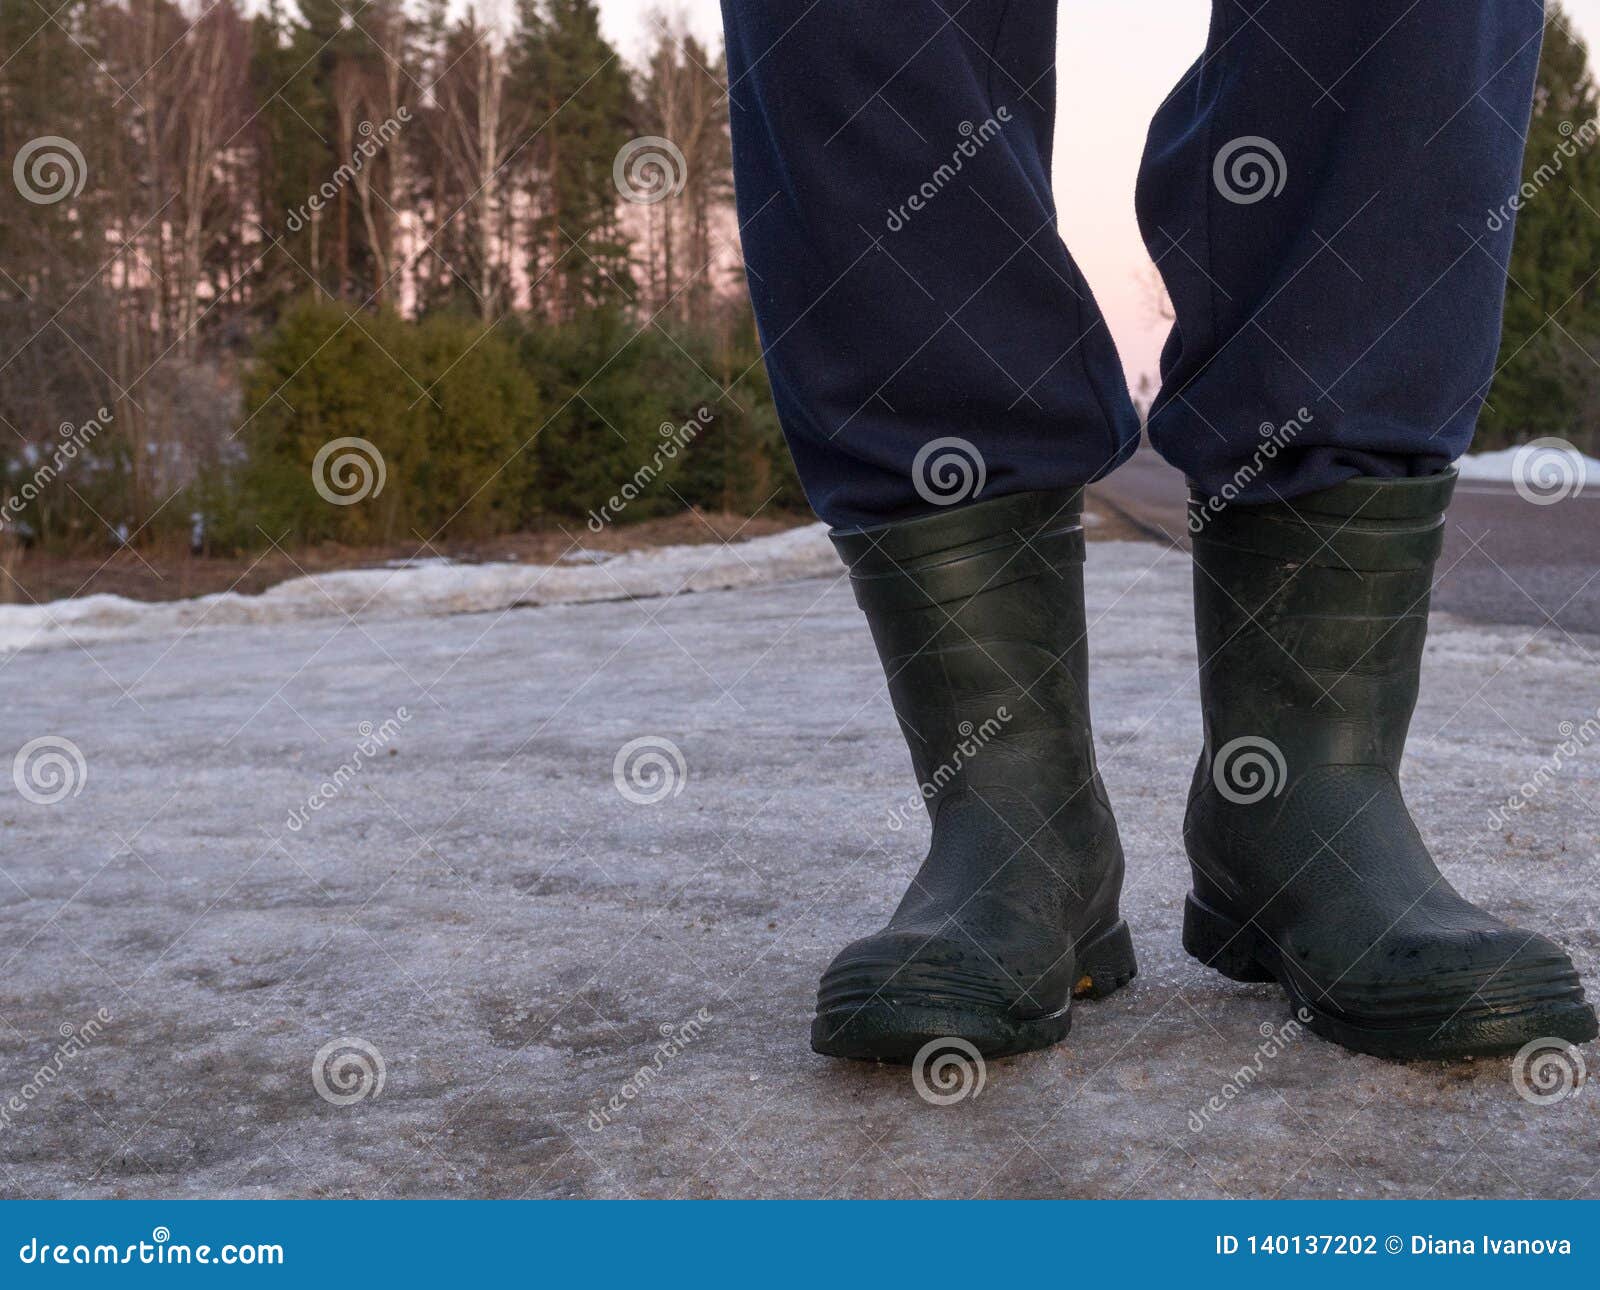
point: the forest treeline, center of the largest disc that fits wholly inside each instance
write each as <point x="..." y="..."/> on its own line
<point x="495" y="250"/>
<point x="480" y="241"/>
<point x="1547" y="379"/>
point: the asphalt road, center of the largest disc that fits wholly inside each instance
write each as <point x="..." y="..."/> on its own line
<point x="1506" y="560"/>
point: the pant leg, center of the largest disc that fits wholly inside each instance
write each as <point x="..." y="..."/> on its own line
<point x="1320" y="194"/>
<point x="892" y="164"/>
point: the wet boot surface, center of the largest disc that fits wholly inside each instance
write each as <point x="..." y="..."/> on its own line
<point x="1308" y="869"/>
<point x="978" y="619"/>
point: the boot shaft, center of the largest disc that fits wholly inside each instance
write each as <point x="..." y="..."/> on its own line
<point x="978" y="618"/>
<point x="1311" y="616"/>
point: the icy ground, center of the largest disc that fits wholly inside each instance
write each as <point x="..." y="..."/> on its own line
<point x="568" y="992"/>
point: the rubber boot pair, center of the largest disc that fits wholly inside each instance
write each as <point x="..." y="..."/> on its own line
<point x="1307" y="868"/>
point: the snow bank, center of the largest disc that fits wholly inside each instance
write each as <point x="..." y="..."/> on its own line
<point x="428" y="587"/>
<point x="1543" y="456"/>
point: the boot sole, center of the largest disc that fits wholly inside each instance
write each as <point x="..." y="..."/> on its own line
<point x="1241" y="953"/>
<point x="895" y="1029"/>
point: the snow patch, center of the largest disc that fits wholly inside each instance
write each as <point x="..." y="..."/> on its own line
<point x="1502" y="467"/>
<point x="427" y="588"/>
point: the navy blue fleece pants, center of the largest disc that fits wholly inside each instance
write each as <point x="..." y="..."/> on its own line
<point x="1316" y="192"/>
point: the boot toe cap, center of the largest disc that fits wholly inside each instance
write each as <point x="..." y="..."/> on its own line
<point x="916" y="968"/>
<point x="1485" y="991"/>
<point x="890" y="996"/>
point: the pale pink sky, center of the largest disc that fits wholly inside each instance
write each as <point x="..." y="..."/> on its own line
<point x="1116" y="61"/>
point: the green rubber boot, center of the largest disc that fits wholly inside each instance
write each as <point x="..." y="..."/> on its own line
<point x="1311" y="617"/>
<point x="978" y="618"/>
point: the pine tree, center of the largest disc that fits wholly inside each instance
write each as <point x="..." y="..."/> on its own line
<point x="67" y="346"/>
<point x="294" y="156"/>
<point x="582" y="104"/>
<point x="320" y="76"/>
<point x="1546" y="382"/>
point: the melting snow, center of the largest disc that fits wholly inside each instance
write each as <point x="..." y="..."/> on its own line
<point x="1502" y="464"/>
<point x="426" y="588"/>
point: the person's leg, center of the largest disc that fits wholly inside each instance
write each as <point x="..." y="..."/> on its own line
<point x="1318" y="193"/>
<point x="1345" y="293"/>
<point x="944" y="379"/>
<point x="892" y="166"/>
